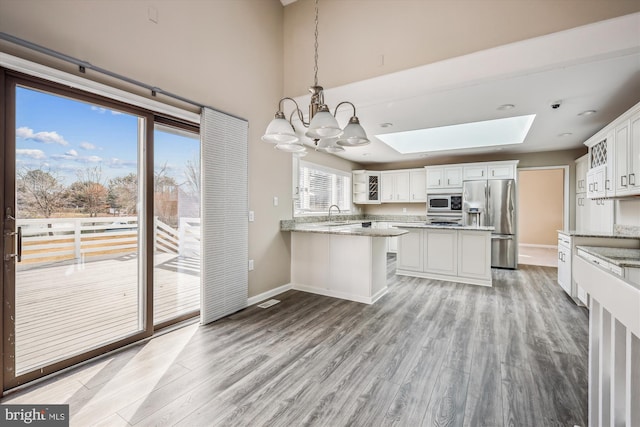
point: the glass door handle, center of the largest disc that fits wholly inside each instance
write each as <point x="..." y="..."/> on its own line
<point x="18" y="254"/>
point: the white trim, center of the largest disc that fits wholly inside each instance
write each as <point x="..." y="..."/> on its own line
<point x="533" y="245"/>
<point x="341" y="295"/>
<point x="566" y="178"/>
<point x="51" y="74"/>
<point x="269" y="294"/>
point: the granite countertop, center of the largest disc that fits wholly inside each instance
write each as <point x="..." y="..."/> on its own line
<point x="446" y="227"/>
<point x="616" y="256"/>
<point x="619" y="232"/>
<point x="344" y="228"/>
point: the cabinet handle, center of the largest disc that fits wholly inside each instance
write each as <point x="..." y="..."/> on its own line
<point x="448" y="181"/>
<point x="606" y="184"/>
<point x="493" y="172"/>
<point x="595" y="186"/>
<point x="634" y="179"/>
<point x="438" y="182"/>
<point x="623" y="180"/>
<point x="560" y="256"/>
<point x="482" y="173"/>
<point x="590" y="187"/>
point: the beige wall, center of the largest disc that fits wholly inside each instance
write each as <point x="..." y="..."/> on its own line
<point x="225" y="53"/>
<point x="540" y="206"/>
<point x="360" y="39"/>
<point x="628" y="212"/>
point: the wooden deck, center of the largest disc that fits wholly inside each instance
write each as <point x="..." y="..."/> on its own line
<point x="64" y="309"/>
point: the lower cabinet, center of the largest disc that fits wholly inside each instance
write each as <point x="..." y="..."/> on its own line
<point x="564" y="265"/>
<point x="444" y="254"/>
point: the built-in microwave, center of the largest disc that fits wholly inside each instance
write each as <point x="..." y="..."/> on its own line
<point x="444" y="203"/>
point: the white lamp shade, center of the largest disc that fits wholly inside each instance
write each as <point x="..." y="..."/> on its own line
<point x="280" y="131"/>
<point x="353" y="136"/>
<point x="328" y="145"/>
<point x="294" y="147"/>
<point x="323" y="125"/>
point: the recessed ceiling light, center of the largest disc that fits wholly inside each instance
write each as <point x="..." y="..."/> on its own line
<point x="506" y="107"/>
<point x="587" y="113"/>
<point x="386" y="125"/>
<point x="565" y="134"/>
<point x="366" y="154"/>
<point x="497" y="149"/>
<point x="489" y="133"/>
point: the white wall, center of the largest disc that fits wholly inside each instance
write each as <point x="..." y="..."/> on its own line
<point x="628" y="212"/>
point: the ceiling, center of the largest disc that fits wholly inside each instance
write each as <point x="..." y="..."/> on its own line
<point x="593" y="67"/>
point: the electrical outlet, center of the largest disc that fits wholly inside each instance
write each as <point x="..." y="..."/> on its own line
<point x="250" y="265"/>
<point x="404" y="210"/>
<point x="251" y="216"/>
<point x="275" y="200"/>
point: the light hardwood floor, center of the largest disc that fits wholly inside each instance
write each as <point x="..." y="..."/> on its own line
<point x="429" y="353"/>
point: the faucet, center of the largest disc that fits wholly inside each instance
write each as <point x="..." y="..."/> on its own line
<point x="337" y="207"/>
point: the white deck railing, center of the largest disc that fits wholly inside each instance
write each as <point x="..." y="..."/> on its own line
<point x="58" y="239"/>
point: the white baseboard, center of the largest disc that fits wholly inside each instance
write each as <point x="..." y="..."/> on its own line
<point x="531" y="245"/>
<point x="269" y="294"/>
<point x="341" y="295"/>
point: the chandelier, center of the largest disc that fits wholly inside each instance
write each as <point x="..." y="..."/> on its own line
<point x="322" y="127"/>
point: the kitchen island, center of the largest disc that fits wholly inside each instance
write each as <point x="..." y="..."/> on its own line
<point x="445" y="252"/>
<point x="340" y="260"/>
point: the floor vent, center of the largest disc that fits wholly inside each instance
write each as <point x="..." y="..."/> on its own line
<point x="269" y="303"/>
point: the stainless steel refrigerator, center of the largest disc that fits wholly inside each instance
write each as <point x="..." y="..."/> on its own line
<point x="493" y="203"/>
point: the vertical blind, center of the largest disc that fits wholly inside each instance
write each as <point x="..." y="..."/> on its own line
<point x="224" y="229"/>
<point x="319" y="187"/>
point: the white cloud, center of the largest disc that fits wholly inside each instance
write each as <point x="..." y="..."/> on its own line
<point x="116" y="163"/>
<point x="72" y="152"/>
<point x="87" y="146"/>
<point x="44" y="137"/>
<point x="73" y="155"/>
<point x="34" y="154"/>
<point x="103" y="110"/>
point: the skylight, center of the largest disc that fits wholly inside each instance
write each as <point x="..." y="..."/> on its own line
<point x="488" y="133"/>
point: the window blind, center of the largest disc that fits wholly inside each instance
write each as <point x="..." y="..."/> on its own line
<point x="224" y="227"/>
<point x="319" y="187"/>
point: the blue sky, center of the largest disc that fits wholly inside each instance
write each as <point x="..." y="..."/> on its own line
<point x="64" y="136"/>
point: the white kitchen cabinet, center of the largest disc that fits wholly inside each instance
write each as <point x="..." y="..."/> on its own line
<point x="627" y="157"/>
<point x="582" y="166"/>
<point x="582" y="212"/>
<point x="474" y="255"/>
<point x="410" y="250"/>
<point x="500" y="171"/>
<point x="596" y="187"/>
<point x="564" y="264"/>
<point x="392" y="244"/>
<point x="366" y="187"/>
<point x="457" y="255"/>
<point x="600" y="217"/>
<point x="474" y="172"/>
<point x="418" y="185"/>
<point x="443" y="177"/>
<point x="440" y="251"/>
<point x="395" y="186"/>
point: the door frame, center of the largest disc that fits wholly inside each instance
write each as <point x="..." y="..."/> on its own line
<point x="566" y="179"/>
<point x="9" y="79"/>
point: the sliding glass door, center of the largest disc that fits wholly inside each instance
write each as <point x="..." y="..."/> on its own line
<point x="176" y="195"/>
<point x="75" y="228"/>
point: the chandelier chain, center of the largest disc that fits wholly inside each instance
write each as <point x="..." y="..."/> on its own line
<point x="315" y="68"/>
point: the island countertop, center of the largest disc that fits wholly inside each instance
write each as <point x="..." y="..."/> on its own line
<point x="621" y="257"/>
<point x="445" y="227"/>
<point x="348" y="229"/>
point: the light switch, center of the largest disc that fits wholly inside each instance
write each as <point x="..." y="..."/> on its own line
<point x="275" y="200"/>
<point x="251" y="216"/>
<point x="250" y="265"/>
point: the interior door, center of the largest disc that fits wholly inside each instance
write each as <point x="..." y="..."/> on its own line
<point x="75" y="228"/>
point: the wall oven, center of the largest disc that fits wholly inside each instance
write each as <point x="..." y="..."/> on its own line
<point x="444" y="204"/>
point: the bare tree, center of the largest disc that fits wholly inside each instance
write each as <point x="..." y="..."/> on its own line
<point x="192" y="172"/>
<point x="123" y="194"/>
<point x="165" y="197"/>
<point x="89" y="192"/>
<point x="40" y="192"/>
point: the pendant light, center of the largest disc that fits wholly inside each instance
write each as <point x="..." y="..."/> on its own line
<point x="322" y="126"/>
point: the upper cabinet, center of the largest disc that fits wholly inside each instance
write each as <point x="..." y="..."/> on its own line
<point x="475" y="172"/>
<point x="395" y="186"/>
<point x="627" y="153"/>
<point x="582" y="166"/>
<point x="418" y="185"/>
<point x="614" y="158"/>
<point x="492" y="170"/>
<point x="444" y="177"/>
<point x="366" y="187"/>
